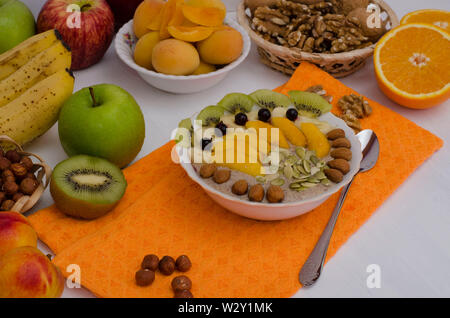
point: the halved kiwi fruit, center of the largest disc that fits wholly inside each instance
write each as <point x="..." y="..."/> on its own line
<point x="236" y="103"/>
<point x="210" y="116"/>
<point x="309" y="104"/>
<point x="86" y="187"/>
<point x="181" y="135"/>
<point x="270" y="99"/>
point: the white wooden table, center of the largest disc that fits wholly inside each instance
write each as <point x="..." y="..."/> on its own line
<point x="409" y="235"/>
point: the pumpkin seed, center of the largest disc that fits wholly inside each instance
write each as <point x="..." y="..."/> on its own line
<point x="301" y="152"/>
<point x="325" y="182"/>
<point x="260" y="179"/>
<point x="288" y="172"/>
<point x="314" y="159"/>
<point x="313" y="180"/>
<point x="320" y="175"/>
<point x="300" y="168"/>
<point x="277" y="182"/>
<point x="314" y="170"/>
<point x="301" y="189"/>
<point x="294" y="186"/>
<point x="291" y="160"/>
<point x="308" y="184"/>
<point x="307" y="166"/>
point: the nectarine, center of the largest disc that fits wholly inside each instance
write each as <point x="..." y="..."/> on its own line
<point x="15" y="231"/>
<point x="27" y="273"/>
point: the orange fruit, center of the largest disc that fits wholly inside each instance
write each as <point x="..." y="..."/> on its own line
<point x="190" y="34"/>
<point x="411" y="65"/>
<point x="439" y="18"/>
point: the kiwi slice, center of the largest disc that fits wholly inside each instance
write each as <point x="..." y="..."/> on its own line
<point x="210" y="116"/>
<point x="179" y="137"/>
<point x="309" y="104"/>
<point x="86" y="187"/>
<point x="237" y="103"/>
<point x="270" y="99"/>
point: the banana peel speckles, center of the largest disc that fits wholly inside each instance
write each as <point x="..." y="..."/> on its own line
<point x="36" y="110"/>
<point x="46" y="63"/>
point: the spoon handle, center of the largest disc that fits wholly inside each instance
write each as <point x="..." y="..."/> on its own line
<point x="312" y="268"/>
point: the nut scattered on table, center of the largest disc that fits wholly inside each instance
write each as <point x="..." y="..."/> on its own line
<point x="167" y="265"/>
<point x="183" y="263"/>
<point x="183" y="294"/>
<point x="181" y="282"/>
<point x="144" y="277"/>
<point x="150" y="262"/>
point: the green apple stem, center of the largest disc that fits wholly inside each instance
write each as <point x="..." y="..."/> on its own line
<point x="91" y="90"/>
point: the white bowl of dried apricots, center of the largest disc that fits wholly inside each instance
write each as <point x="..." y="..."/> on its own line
<point x="268" y="156"/>
<point x="182" y="46"/>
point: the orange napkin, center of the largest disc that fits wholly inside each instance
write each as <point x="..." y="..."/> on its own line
<point x="233" y="256"/>
<point x="58" y="231"/>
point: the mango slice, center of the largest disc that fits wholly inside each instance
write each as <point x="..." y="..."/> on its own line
<point x="292" y="133"/>
<point x="257" y="125"/>
<point x="317" y="141"/>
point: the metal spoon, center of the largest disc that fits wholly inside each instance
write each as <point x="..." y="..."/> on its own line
<point x="312" y="268"/>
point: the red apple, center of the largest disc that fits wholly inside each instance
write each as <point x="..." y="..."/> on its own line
<point x="123" y="10"/>
<point x="86" y="26"/>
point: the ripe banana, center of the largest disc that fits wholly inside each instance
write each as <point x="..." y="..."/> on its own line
<point x="48" y="62"/>
<point x="12" y="60"/>
<point x="36" y="110"/>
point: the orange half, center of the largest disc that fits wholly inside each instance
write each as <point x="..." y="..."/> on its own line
<point x="412" y="66"/>
<point x="439" y="18"/>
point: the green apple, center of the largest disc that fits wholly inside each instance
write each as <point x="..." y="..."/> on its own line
<point x="102" y="121"/>
<point x="16" y="24"/>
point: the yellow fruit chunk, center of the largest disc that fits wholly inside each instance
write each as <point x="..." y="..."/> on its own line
<point x="222" y="47"/>
<point x="203" y="15"/>
<point x="317" y="141"/>
<point x="178" y="17"/>
<point x="439" y="18"/>
<point x="207" y="3"/>
<point x="167" y="13"/>
<point x="204" y="68"/>
<point x="147" y="12"/>
<point x="175" y="57"/>
<point x="265" y="128"/>
<point x="190" y="34"/>
<point x="292" y="133"/>
<point x="253" y="169"/>
<point x="411" y="65"/>
<point x="144" y="49"/>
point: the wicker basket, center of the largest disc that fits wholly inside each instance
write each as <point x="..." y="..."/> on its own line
<point x="40" y="169"/>
<point x="286" y="60"/>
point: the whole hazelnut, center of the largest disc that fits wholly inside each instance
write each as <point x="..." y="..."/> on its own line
<point x="30" y="175"/>
<point x="17" y="196"/>
<point x="207" y="170"/>
<point x="275" y="194"/>
<point x="240" y="187"/>
<point x="7" y="205"/>
<point x="181" y="283"/>
<point x="4" y="163"/>
<point x="27" y="163"/>
<point x="256" y="193"/>
<point x="28" y="185"/>
<point x="183" y="263"/>
<point x="183" y="294"/>
<point x="167" y="265"/>
<point x="13" y="156"/>
<point x="7" y="174"/>
<point x="2" y="196"/>
<point x="150" y="262"/>
<point x="144" y="277"/>
<point x="10" y="188"/>
<point x="19" y="170"/>
<point x="222" y="175"/>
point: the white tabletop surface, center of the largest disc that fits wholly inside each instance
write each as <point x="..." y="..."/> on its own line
<point x="409" y="235"/>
